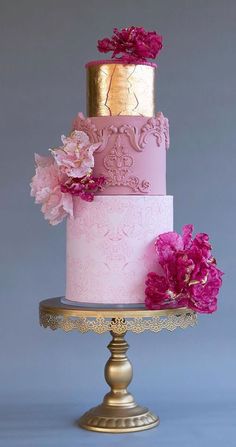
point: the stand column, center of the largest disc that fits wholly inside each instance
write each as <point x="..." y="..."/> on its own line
<point x="119" y="412"/>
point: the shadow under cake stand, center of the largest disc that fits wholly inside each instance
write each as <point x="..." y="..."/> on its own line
<point x="118" y="412"/>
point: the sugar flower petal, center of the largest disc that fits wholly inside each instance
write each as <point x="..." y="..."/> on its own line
<point x="75" y="158"/>
<point x="46" y="188"/>
<point x="187" y="233"/>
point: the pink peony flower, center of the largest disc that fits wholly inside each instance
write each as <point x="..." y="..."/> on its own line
<point x="134" y="44"/>
<point x="75" y="158"/>
<point x="85" y="188"/>
<point x="189" y="271"/>
<point x="46" y="188"/>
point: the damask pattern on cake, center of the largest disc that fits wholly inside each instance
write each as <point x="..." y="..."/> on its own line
<point x="110" y="244"/>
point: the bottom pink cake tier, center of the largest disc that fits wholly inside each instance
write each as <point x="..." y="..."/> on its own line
<point x="110" y="247"/>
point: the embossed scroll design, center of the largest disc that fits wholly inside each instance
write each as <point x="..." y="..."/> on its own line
<point x="117" y="324"/>
<point x="157" y="126"/>
<point x="118" y="163"/>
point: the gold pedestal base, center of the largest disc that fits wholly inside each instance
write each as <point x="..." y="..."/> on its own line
<point x="118" y="420"/>
<point x="119" y="412"/>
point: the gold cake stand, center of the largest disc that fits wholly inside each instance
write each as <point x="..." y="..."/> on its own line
<point x="118" y="413"/>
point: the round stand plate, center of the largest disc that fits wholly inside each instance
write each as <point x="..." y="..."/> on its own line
<point x="115" y="420"/>
<point x="57" y="315"/>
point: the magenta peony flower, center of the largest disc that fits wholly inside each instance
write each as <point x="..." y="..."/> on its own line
<point x="75" y="158"/>
<point x="85" y="188"/>
<point x="134" y="44"/>
<point x="46" y="188"/>
<point x="190" y="274"/>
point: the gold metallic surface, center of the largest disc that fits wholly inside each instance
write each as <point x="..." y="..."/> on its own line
<point x="117" y="89"/>
<point x="118" y="412"/>
<point x="55" y="315"/>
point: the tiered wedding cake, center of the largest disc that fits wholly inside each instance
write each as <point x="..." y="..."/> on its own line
<point x="109" y="179"/>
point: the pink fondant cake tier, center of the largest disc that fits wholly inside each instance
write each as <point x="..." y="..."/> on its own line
<point x="132" y="154"/>
<point x="110" y="247"/>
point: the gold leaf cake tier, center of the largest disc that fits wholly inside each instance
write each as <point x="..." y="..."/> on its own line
<point x="115" y="88"/>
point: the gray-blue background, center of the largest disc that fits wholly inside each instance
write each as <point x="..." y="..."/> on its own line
<point x="47" y="379"/>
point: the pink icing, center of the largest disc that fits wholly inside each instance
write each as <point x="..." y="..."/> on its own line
<point x="116" y="61"/>
<point x="132" y="152"/>
<point x="110" y="247"/>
